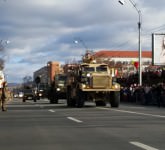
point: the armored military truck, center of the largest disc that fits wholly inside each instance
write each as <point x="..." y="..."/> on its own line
<point x="90" y="81"/>
<point x="58" y="88"/>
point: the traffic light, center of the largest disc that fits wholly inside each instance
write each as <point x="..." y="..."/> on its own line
<point x="37" y="80"/>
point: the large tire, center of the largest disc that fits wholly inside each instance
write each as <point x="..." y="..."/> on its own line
<point x="51" y="101"/>
<point x="56" y="99"/>
<point x="70" y="102"/>
<point x="114" y="99"/>
<point x="37" y="96"/>
<point x="80" y="98"/>
<point x="53" y="98"/>
<point x="34" y="99"/>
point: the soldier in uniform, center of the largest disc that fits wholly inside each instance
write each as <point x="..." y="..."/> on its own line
<point x="3" y="85"/>
<point x="4" y="96"/>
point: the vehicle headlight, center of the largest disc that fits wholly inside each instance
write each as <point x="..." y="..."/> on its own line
<point x="116" y="86"/>
<point x="83" y="86"/>
<point x="58" y="89"/>
<point x="88" y="75"/>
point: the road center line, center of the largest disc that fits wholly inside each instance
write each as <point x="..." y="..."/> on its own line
<point x="132" y="112"/>
<point x="74" y="119"/>
<point x="51" y="110"/>
<point x="143" y="146"/>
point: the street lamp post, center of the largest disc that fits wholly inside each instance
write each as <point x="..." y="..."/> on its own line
<point x="139" y="38"/>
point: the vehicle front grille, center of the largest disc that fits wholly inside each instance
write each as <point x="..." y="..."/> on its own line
<point x="101" y="81"/>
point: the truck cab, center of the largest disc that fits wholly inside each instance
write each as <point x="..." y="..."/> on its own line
<point x="58" y="88"/>
<point x="92" y="82"/>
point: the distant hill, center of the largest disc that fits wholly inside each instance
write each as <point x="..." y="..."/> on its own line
<point x="13" y="84"/>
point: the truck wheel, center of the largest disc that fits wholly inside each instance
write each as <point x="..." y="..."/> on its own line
<point x="35" y="100"/>
<point x="80" y="99"/>
<point x="70" y="102"/>
<point x="53" y="99"/>
<point x="114" y="99"/>
<point x="56" y="99"/>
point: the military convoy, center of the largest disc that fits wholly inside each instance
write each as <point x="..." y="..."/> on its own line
<point x="86" y="81"/>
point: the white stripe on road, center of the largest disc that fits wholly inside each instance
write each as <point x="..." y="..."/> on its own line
<point x="51" y="110"/>
<point x="45" y="100"/>
<point x="143" y="146"/>
<point x="132" y="112"/>
<point x="74" y="119"/>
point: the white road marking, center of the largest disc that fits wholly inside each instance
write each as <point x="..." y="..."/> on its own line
<point x="132" y="112"/>
<point x="51" y="110"/>
<point x="74" y="119"/>
<point x="45" y="100"/>
<point x="143" y="146"/>
<point x="136" y="107"/>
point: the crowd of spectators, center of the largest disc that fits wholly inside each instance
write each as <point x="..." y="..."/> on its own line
<point x="145" y="95"/>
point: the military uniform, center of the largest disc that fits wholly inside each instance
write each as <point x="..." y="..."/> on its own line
<point x="3" y="96"/>
<point x="3" y="85"/>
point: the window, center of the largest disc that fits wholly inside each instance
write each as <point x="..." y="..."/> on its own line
<point x="88" y="69"/>
<point x="101" y="69"/>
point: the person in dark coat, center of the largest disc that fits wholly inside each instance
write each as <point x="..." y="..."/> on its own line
<point x="158" y="93"/>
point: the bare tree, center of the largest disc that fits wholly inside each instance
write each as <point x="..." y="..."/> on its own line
<point x="27" y="81"/>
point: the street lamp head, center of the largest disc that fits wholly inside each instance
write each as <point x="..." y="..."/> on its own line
<point x="7" y="42"/>
<point x="122" y="2"/>
<point x="75" y="41"/>
<point x="4" y="42"/>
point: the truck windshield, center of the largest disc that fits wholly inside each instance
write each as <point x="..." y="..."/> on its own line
<point x="89" y="69"/>
<point x="101" y="69"/>
<point x="60" y="78"/>
<point x="28" y="91"/>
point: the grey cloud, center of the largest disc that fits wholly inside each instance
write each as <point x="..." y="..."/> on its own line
<point x="46" y="29"/>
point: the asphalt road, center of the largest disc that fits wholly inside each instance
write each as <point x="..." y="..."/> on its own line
<point x="44" y="126"/>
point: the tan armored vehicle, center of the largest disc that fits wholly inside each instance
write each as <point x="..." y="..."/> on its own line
<point x="91" y="82"/>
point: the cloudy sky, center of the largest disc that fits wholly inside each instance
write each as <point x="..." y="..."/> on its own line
<point x="44" y="30"/>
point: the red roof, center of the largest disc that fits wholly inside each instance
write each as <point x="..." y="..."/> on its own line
<point x="127" y="54"/>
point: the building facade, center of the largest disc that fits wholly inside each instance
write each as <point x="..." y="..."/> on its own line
<point x="46" y="74"/>
<point x="126" y="62"/>
<point x="123" y="56"/>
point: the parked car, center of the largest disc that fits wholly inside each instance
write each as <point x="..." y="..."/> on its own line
<point x="29" y="94"/>
<point x="20" y="94"/>
<point x="15" y="95"/>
